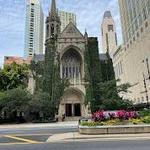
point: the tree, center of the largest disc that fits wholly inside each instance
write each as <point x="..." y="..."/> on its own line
<point x="37" y="70"/>
<point x="47" y="77"/>
<point x="40" y="106"/>
<point x="13" y="76"/>
<point x="107" y="69"/>
<point x="14" y="101"/>
<point x="52" y="82"/>
<point x="93" y="72"/>
<point x="110" y="96"/>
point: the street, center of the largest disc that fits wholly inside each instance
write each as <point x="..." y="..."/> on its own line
<point x="96" y="145"/>
<point x="33" y="133"/>
<point x="35" y="137"/>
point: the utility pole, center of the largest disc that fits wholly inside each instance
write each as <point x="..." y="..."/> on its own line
<point x="146" y="92"/>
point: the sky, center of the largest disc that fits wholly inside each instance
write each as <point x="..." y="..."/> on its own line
<point x="89" y="16"/>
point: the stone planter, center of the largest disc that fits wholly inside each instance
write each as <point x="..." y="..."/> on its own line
<point x="120" y="129"/>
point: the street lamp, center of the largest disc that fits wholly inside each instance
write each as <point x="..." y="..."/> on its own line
<point x="146" y="92"/>
<point x="147" y="67"/>
<point x="147" y="64"/>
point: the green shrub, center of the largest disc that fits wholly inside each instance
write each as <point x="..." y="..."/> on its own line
<point x="136" y="121"/>
<point x="112" y="122"/>
<point x="102" y="123"/>
<point x="92" y="123"/>
<point x="144" y="113"/>
<point x="146" y="119"/>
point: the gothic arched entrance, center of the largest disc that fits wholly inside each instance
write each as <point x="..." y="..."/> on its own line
<point x="72" y="104"/>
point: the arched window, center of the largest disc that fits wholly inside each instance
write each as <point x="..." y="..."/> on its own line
<point x="52" y="29"/>
<point x="71" y="60"/>
<point x="57" y="28"/>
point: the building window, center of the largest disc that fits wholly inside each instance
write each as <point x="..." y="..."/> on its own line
<point x="140" y="19"/>
<point x="116" y="39"/>
<point x="110" y="28"/>
<point x="144" y="14"/>
<point x="52" y="29"/>
<point x="141" y="29"/>
<point x="148" y="6"/>
<point x="32" y="19"/>
<point x="107" y="43"/>
<point x="146" y="24"/>
<point x="138" y="34"/>
<point x="127" y="45"/>
<point x="131" y="42"/>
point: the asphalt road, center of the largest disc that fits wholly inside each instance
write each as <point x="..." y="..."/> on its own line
<point x="38" y="130"/>
<point x="93" y="145"/>
<point x="29" y="134"/>
<point x="34" y="138"/>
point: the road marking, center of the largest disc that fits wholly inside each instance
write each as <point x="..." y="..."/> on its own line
<point x="21" y="139"/>
<point x="28" y="134"/>
<point x="5" y="144"/>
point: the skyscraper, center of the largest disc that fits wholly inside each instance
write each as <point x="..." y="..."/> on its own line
<point x="109" y="37"/>
<point x="133" y="14"/>
<point x="34" y="29"/>
<point x="131" y="61"/>
<point x="66" y="18"/>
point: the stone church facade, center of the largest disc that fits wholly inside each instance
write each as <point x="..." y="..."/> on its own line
<point x="71" y="48"/>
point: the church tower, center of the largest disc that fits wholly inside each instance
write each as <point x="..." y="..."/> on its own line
<point x="53" y="22"/>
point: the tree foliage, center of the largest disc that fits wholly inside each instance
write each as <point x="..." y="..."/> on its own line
<point x="107" y="69"/>
<point x="37" y="69"/>
<point x="13" y="76"/>
<point x="53" y="84"/>
<point x="13" y="101"/>
<point x="40" y="106"/>
<point x="48" y="80"/>
<point x="93" y="72"/>
<point x="110" y="96"/>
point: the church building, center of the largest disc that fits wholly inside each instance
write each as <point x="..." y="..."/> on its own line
<point x="71" y="48"/>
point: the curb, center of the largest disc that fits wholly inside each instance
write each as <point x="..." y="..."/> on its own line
<point x="75" y="136"/>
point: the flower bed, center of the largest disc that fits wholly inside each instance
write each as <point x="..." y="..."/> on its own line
<point x="120" y="117"/>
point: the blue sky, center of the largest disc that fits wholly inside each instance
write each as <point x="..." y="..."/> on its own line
<point x="89" y="15"/>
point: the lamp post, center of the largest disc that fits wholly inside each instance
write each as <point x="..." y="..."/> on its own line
<point x="146" y="92"/>
<point x="148" y="70"/>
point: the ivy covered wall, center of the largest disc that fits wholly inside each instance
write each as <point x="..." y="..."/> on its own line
<point x="97" y="72"/>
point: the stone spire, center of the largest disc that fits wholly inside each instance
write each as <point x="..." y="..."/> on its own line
<point x="53" y="21"/>
<point x="86" y="34"/>
<point x="53" y="9"/>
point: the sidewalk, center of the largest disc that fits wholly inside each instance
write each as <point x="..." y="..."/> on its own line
<point x="75" y="136"/>
<point x="40" y="125"/>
